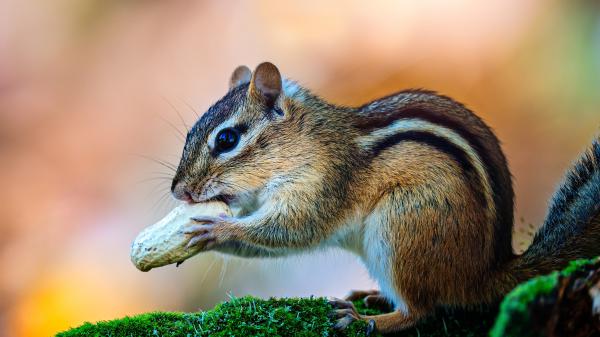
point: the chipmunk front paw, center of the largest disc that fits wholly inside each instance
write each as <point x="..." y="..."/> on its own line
<point x="210" y="231"/>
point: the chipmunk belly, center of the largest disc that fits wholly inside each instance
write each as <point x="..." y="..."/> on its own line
<point x="366" y="237"/>
<point x="377" y="256"/>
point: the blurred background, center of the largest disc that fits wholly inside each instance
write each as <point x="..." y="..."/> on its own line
<point x="89" y="88"/>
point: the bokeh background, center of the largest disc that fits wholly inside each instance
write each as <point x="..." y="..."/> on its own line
<point x="89" y="88"/>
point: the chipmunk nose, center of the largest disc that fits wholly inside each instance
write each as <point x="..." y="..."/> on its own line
<point x="180" y="191"/>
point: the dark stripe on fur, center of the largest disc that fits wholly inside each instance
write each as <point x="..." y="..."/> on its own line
<point x="218" y="113"/>
<point x="440" y="144"/>
<point x="454" y="125"/>
<point x="444" y="111"/>
<point x="435" y="141"/>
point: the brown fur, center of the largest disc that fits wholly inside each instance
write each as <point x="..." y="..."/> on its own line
<point x="440" y="211"/>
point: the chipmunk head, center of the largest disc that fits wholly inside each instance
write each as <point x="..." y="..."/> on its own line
<point x="243" y="141"/>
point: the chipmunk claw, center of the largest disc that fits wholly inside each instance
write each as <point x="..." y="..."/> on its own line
<point x="202" y="234"/>
<point x="212" y="219"/>
<point x="370" y="327"/>
<point x="210" y="230"/>
<point x="206" y="240"/>
<point x="198" y="229"/>
<point x="344" y="311"/>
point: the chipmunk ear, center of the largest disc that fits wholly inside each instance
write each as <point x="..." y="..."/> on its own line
<point x="266" y="84"/>
<point x="241" y="75"/>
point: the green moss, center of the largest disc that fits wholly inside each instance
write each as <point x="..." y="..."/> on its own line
<point x="514" y="310"/>
<point x="577" y="265"/>
<point x="247" y="316"/>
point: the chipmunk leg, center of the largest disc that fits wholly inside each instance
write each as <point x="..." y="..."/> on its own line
<point x="271" y="227"/>
<point x="378" y="302"/>
<point x="392" y="322"/>
<point x="371" y="298"/>
<point x="346" y="313"/>
<point x="360" y="294"/>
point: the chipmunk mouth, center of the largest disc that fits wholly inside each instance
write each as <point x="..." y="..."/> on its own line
<point x="241" y="204"/>
<point x="225" y="198"/>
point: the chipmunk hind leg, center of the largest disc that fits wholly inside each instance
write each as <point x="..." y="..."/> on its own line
<point x="393" y="322"/>
<point x="405" y="247"/>
<point x="355" y="295"/>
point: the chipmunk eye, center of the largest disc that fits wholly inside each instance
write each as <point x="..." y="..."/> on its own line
<point x="226" y="140"/>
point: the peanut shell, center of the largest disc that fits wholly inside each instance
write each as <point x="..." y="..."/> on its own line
<point x="165" y="242"/>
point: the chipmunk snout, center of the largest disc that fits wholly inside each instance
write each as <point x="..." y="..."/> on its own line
<point x="181" y="191"/>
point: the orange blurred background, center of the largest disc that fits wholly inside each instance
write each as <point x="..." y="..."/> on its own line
<point x="86" y="87"/>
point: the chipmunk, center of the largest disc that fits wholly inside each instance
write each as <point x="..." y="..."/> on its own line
<point x="414" y="183"/>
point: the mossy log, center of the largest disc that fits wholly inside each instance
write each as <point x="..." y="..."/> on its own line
<point x="564" y="303"/>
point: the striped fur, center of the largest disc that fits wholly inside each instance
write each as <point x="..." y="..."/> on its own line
<point x="414" y="183"/>
<point x="445" y="112"/>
